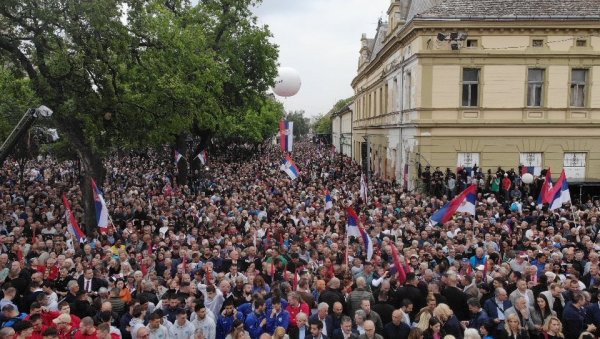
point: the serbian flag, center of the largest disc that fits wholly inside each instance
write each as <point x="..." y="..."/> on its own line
<point x="101" y="209"/>
<point x="367" y="242"/>
<point x="202" y="157"/>
<point x="533" y="170"/>
<point x="328" y="201"/>
<point x="72" y="225"/>
<point x="363" y="188"/>
<point x="286" y="135"/>
<point x="545" y="196"/>
<point x="178" y="157"/>
<point x="289" y="167"/>
<point x="352" y="228"/>
<point x="560" y="192"/>
<point x="464" y="202"/>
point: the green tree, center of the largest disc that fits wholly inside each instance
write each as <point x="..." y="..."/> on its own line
<point x="301" y="123"/>
<point x="128" y="73"/>
<point x="322" y="123"/>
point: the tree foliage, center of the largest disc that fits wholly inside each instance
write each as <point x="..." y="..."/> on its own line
<point x="323" y="124"/>
<point x="301" y="123"/>
<point x="128" y="73"/>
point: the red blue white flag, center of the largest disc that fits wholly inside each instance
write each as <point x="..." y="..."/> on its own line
<point x="101" y="209"/>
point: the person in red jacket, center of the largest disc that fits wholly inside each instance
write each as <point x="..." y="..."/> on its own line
<point x="104" y="332"/>
<point x="295" y="306"/>
<point x="86" y="329"/>
<point x="38" y="326"/>
<point x="506" y="183"/>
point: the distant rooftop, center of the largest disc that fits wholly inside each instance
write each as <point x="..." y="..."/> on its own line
<point x="512" y="9"/>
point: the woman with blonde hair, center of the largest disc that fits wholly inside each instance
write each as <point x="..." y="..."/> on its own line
<point x="513" y="329"/>
<point x="471" y="333"/>
<point x="552" y="329"/>
<point x="450" y="323"/>
<point x="422" y="319"/>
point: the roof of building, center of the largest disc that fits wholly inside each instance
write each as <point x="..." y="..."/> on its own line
<point x="513" y="9"/>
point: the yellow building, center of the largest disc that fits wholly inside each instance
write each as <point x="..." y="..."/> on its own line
<point x="493" y="83"/>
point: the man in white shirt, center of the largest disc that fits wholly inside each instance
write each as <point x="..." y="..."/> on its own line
<point x="183" y="328"/>
<point x="203" y="323"/>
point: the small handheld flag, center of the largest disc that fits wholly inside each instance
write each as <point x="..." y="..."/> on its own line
<point x="72" y="225"/>
<point x="101" y="209"/>
<point x="560" y="192"/>
<point x="178" y="157"/>
<point x="355" y="229"/>
<point x="290" y="168"/>
<point x="202" y="157"/>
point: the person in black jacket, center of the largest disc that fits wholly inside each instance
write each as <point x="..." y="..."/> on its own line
<point x="397" y="328"/>
<point x="412" y="292"/>
<point x="457" y="299"/>
<point x="574" y="317"/>
<point x="333" y="294"/>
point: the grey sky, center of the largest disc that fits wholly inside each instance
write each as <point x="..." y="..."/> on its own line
<point x="321" y="40"/>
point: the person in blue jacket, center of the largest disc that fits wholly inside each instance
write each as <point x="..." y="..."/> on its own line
<point x="256" y="322"/>
<point x="225" y="320"/>
<point x="278" y="317"/>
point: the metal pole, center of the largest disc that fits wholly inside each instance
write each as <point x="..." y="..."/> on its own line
<point x="16" y="134"/>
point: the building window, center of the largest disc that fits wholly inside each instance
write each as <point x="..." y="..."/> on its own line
<point x="408" y="90"/>
<point x="468" y="160"/>
<point x="472" y="43"/>
<point x="578" y="87"/>
<point x="538" y="43"/>
<point x="531" y="163"/>
<point x="581" y="43"/>
<point x="470" y="87"/>
<point x="535" y="88"/>
<point x="574" y="165"/>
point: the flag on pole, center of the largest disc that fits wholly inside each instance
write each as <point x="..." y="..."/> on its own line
<point x="363" y="188"/>
<point x="289" y="167"/>
<point x="72" y="225"/>
<point x="405" y="176"/>
<point x="464" y="202"/>
<point x="352" y="228"/>
<point x="202" y="157"/>
<point x="178" y="157"/>
<point x="545" y="196"/>
<point x="560" y="192"/>
<point x="328" y="201"/>
<point x="101" y="209"/>
<point x="286" y="135"/>
<point x="355" y="229"/>
<point x="397" y="265"/>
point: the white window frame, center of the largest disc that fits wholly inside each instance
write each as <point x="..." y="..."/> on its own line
<point x="532" y="159"/>
<point x="468" y="159"/>
<point x="574" y="164"/>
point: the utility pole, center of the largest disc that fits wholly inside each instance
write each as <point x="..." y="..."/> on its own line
<point x="21" y="128"/>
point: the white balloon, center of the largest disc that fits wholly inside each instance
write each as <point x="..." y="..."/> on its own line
<point x="527" y="178"/>
<point x="287" y="82"/>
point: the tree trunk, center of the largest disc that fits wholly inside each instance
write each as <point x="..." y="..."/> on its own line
<point x="182" y="165"/>
<point x="91" y="168"/>
<point x="195" y="164"/>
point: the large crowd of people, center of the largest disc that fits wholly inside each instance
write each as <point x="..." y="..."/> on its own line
<point x="245" y="252"/>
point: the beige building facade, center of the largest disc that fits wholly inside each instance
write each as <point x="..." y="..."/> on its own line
<point x="460" y="83"/>
<point x="341" y="135"/>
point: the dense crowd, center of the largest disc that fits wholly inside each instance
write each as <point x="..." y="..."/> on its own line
<point x="245" y="252"/>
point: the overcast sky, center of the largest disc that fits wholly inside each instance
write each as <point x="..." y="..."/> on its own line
<point x="321" y="40"/>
